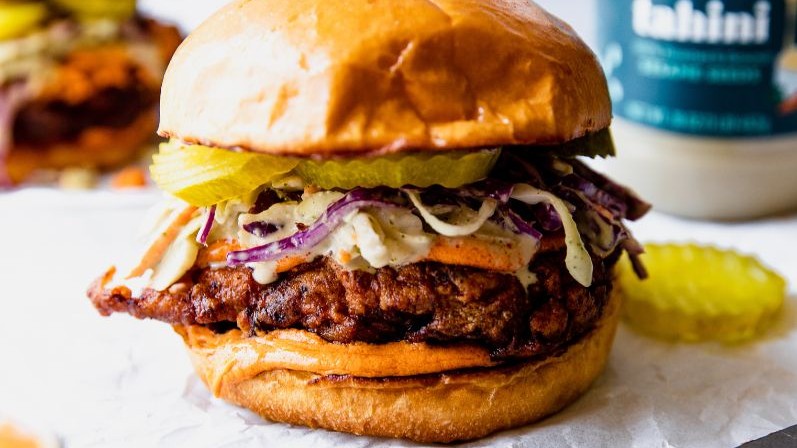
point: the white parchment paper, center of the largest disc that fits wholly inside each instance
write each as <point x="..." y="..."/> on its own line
<point x="119" y="382"/>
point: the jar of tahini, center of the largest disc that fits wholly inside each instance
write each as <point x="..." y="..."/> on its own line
<point x="705" y="103"/>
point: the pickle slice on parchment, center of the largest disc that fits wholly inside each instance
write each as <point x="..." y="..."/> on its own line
<point x="699" y="293"/>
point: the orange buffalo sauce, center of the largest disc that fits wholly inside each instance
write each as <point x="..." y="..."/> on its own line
<point x="235" y="357"/>
<point x="478" y="253"/>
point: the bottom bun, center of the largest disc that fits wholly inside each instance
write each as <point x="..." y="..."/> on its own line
<point x="442" y="407"/>
<point x="96" y="148"/>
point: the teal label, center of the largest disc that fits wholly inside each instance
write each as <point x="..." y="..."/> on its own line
<point x="702" y="67"/>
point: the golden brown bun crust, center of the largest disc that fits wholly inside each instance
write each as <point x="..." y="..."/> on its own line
<point x="97" y="148"/>
<point x="441" y="407"/>
<point x="331" y="77"/>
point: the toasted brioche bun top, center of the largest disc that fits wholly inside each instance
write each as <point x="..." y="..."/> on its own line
<point x="333" y="77"/>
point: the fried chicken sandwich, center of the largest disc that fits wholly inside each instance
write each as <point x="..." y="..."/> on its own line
<point x="378" y="221"/>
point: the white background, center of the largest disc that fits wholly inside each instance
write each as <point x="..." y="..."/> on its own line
<point x="579" y="13"/>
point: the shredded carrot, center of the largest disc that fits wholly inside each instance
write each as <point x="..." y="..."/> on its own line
<point x="216" y="252"/>
<point x="155" y="252"/>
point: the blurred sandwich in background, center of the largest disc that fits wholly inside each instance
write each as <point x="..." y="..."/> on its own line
<point x="79" y="84"/>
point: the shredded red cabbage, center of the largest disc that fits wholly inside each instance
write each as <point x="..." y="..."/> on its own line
<point x="202" y="236"/>
<point x="522" y="226"/>
<point x="634" y="250"/>
<point x="264" y="201"/>
<point x="307" y="239"/>
<point x="488" y="188"/>
<point x="261" y="229"/>
<point x="546" y="216"/>
<point x="600" y="203"/>
<point x="604" y="191"/>
<point x="610" y="204"/>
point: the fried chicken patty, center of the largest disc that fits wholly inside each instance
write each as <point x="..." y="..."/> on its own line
<point x="423" y="302"/>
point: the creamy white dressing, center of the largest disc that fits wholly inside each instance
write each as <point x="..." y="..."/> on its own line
<point x="314" y="205"/>
<point x="461" y="228"/>
<point x="528" y="248"/>
<point x="368" y="238"/>
<point x="179" y="258"/>
<point x="526" y="277"/>
<point x="289" y="183"/>
<point x="285" y="216"/>
<point x="154" y="225"/>
<point x="282" y="215"/>
<point x="604" y="235"/>
<point x="390" y="237"/>
<point x="578" y="261"/>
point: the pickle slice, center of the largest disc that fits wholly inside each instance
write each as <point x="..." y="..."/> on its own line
<point x="450" y="169"/>
<point x="99" y="9"/>
<point x="205" y="176"/>
<point x="18" y="19"/>
<point x="697" y="293"/>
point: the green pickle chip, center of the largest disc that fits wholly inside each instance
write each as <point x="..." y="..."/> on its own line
<point x="450" y="169"/>
<point x="205" y="176"/>
<point x="698" y="293"/>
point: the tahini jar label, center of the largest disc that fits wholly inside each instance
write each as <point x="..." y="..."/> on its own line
<point x="724" y="68"/>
